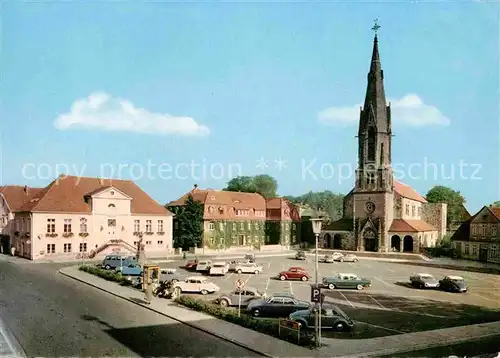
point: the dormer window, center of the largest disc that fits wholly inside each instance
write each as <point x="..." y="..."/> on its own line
<point x="221" y="209"/>
<point x="111" y="192"/>
<point x="211" y="209"/>
<point x="212" y="197"/>
<point x="111" y="206"/>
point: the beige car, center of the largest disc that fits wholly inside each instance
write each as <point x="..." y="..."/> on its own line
<point x="196" y="284"/>
<point x="248" y="268"/>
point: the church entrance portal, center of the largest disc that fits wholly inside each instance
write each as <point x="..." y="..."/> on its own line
<point x="408" y="244"/>
<point x="327" y="240"/>
<point x="395" y="243"/>
<point x="337" y="241"/>
<point x="370" y="241"/>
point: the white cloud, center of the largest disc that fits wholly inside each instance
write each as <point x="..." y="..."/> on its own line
<point x="409" y="110"/>
<point x="100" y="111"/>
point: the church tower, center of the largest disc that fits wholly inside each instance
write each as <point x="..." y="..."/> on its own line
<point x="373" y="191"/>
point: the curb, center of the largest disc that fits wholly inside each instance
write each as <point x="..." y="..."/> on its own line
<point x="170" y="317"/>
<point x="16" y="347"/>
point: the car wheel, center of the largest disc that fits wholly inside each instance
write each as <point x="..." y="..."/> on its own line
<point x="203" y="292"/>
<point x="302" y="324"/>
<point x="304" y="278"/>
<point x="256" y="312"/>
<point x="421" y="286"/>
<point x="331" y="286"/>
<point x="174" y="281"/>
<point x="224" y="303"/>
<point x="282" y="277"/>
<point x="359" y="287"/>
<point x="340" y="326"/>
<point x="341" y="259"/>
<point x="240" y="272"/>
<point x="107" y="267"/>
<point x="355" y="260"/>
<point x="256" y="272"/>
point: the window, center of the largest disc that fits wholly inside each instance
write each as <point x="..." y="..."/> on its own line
<point x="160" y="242"/>
<point x="371" y="144"/>
<point x="242" y="226"/>
<point x="466" y="249"/>
<point x="234" y="226"/>
<point x="381" y="152"/>
<point x="136" y="243"/>
<point x="149" y="226"/>
<point x="67" y="247"/>
<point x="493" y="251"/>
<point x="67" y="225"/>
<point x="484" y="229"/>
<point x="420" y="211"/>
<point x="51" y="248"/>
<point x="83" y="247"/>
<point x="413" y="211"/>
<point x="51" y="226"/>
<point x="370" y="179"/>
<point x="160" y="225"/>
<point x="111" y="206"/>
<point x="474" y="250"/>
<point x="293" y="226"/>
<point x="407" y="209"/>
<point x="137" y="225"/>
<point x="111" y="222"/>
<point x="211" y="226"/>
<point x="221" y="225"/>
<point x="148" y="242"/>
<point x="83" y="225"/>
<point x="494" y="230"/>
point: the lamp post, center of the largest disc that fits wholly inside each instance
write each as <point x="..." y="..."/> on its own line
<point x="316" y="227"/>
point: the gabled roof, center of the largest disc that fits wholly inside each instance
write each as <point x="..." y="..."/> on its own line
<point x="401" y="225"/>
<point x="496" y="211"/>
<point x="67" y="194"/>
<point x="344" y="224"/>
<point x="16" y="196"/>
<point x="408" y="192"/>
<point x="105" y="188"/>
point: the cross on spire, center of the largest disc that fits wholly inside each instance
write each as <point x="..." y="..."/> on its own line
<point x="376" y="26"/>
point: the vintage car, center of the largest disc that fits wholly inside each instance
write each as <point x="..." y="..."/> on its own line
<point x="191" y="265"/>
<point x="424" y="280"/>
<point x="234" y="263"/>
<point x="232" y="299"/>
<point x="114" y="261"/>
<point x="345" y="280"/>
<point x="132" y="269"/>
<point x="219" y="268"/>
<point x="332" y="317"/>
<point x="294" y="273"/>
<point x="277" y="306"/>
<point x="249" y="257"/>
<point x="248" y="268"/>
<point x="203" y="266"/>
<point x="327" y="259"/>
<point x="196" y="284"/>
<point x="453" y="284"/>
<point x="169" y="274"/>
<point x="347" y="258"/>
<point x="300" y="255"/>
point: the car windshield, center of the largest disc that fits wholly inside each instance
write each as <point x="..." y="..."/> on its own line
<point x="458" y="280"/>
<point x="219" y="265"/>
<point x="427" y="277"/>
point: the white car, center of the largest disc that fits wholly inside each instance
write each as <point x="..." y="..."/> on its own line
<point x="219" y="268"/>
<point x="198" y="284"/>
<point x="204" y="266"/>
<point x="248" y="268"/>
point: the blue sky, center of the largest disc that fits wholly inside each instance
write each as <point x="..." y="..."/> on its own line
<point x="89" y="87"/>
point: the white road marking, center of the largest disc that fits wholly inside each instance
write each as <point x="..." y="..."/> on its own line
<point x="387" y="329"/>
<point x="345" y="298"/>
<point x="269" y="265"/>
<point x="385" y="283"/>
<point x="377" y="302"/>
<point x="229" y="276"/>
<point x="486" y="298"/>
<point x="290" y="285"/>
<point x="267" y="283"/>
<point x="248" y="278"/>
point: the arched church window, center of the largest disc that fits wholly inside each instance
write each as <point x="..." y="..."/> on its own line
<point x="381" y="153"/>
<point x="371" y="144"/>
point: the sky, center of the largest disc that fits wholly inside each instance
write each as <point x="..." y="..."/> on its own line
<point x="172" y="94"/>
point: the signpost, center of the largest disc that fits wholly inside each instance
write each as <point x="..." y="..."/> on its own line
<point x="239" y="285"/>
<point x="318" y="298"/>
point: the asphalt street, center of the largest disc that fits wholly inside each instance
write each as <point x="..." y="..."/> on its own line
<point x="51" y="315"/>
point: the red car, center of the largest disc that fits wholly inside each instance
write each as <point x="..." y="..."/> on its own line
<point x="191" y="265"/>
<point x="294" y="273"/>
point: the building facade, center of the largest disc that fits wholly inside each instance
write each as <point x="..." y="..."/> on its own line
<point x="479" y="237"/>
<point x="236" y="219"/>
<point x="90" y="216"/>
<point x="380" y="213"/>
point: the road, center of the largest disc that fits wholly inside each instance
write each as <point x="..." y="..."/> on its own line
<point x="51" y="315"/>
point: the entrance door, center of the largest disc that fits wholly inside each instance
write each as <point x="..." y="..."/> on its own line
<point x="370" y="240"/>
<point x="395" y="243"/>
<point x="242" y="240"/>
<point x="337" y="242"/>
<point x="483" y="254"/>
<point x="5" y="243"/>
<point x="328" y="240"/>
<point x="408" y="244"/>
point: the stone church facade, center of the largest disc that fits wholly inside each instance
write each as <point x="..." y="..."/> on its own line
<point x="381" y="214"/>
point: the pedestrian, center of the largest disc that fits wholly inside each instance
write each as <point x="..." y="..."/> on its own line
<point x="13" y="251"/>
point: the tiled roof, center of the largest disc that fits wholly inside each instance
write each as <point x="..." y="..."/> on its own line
<point x="401" y="225"/>
<point x="67" y="194"/>
<point x="462" y="233"/>
<point x="408" y="192"/>
<point x="344" y="224"/>
<point x="17" y="196"/>
<point x="496" y="211"/>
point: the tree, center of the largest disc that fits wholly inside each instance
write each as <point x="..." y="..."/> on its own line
<point x="496" y="204"/>
<point x="189" y="224"/>
<point x="264" y="184"/>
<point x="323" y="201"/>
<point x="455" y="201"/>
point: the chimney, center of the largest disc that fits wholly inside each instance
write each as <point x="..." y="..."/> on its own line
<point x="100" y="181"/>
<point x="26" y="189"/>
<point x="195" y="186"/>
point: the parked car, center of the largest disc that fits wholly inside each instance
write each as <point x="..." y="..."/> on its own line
<point x="248" y="268"/>
<point x="276" y="307"/>
<point x="234" y="263"/>
<point x="170" y="274"/>
<point x="332" y="317"/>
<point x="197" y="284"/>
<point x="337" y="256"/>
<point x="130" y="270"/>
<point x="114" y="261"/>
<point x="346" y="280"/>
<point x="453" y="284"/>
<point x="300" y="255"/>
<point x="328" y="259"/>
<point x="424" y="280"/>
<point x="203" y="266"/>
<point x="294" y="273"/>
<point x="232" y="299"/>
<point x="250" y="257"/>
<point x="191" y="265"/>
<point x="219" y="268"/>
<point x="281" y="294"/>
<point x="347" y="258"/>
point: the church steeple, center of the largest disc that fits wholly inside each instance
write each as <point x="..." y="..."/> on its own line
<point x="375" y="131"/>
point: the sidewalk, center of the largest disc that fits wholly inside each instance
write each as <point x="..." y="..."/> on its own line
<point x="9" y="347"/>
<point x="273" y="347"/>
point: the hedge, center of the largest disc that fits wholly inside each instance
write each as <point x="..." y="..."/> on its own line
<point x="108" y="275"/>
<point x="268" y="327"/>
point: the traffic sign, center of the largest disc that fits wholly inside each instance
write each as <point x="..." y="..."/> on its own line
<point x="240" y="283"/>
<point x="315" y="294"/>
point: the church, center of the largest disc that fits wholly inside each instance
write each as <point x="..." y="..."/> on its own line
<point x="382" y="214"/>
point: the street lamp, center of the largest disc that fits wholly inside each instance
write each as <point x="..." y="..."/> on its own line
<point x="316" y="227"/>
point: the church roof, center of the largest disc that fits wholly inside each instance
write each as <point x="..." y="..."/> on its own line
<point x="408" y="192"/>
<point x="343" y="224"/>
<point x="402" y="225"/>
